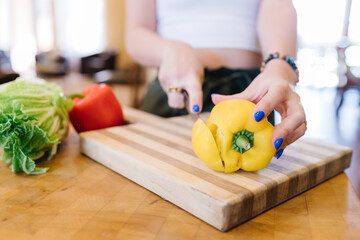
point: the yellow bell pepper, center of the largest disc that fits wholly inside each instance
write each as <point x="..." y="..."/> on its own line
<point x="231" y="139"/>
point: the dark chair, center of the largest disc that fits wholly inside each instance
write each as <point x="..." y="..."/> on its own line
<point x="6" y="72"/>
<point x="347" y="79"/>
<point x="51" y="63"/>
<point x="98" y="62"/>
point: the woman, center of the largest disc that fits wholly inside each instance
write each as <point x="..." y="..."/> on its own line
<point x="213" y="46"/>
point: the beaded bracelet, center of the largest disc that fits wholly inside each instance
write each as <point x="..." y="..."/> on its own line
<point x="286" y="58"/>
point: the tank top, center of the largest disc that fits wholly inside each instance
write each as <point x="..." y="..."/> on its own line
<point x="210" y="23"/>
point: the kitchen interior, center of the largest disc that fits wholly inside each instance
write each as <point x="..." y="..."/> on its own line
<point x="80" y="43"/>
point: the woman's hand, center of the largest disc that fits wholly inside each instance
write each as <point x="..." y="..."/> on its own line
<point x="180" y="67"/>
<point x="273" y="89"/>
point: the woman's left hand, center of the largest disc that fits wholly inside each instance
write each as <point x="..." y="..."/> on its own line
<point x="274" y="89"/>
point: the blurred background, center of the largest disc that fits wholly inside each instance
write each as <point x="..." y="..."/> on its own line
<point x="80" y="42"/>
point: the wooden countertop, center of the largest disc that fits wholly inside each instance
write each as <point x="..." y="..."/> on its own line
<point x="81" y="199"/>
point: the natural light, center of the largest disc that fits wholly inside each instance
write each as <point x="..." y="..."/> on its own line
<point x="320" y="29"/>
<point x="80" y="31"/>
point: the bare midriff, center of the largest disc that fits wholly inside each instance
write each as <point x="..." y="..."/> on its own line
<point x="229" y="58"/>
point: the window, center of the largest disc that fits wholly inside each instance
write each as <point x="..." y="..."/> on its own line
<point x="75" y="28"/>
<point x="320" y="28"/>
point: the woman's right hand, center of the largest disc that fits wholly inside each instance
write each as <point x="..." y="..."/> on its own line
<point x="180" y="67"/>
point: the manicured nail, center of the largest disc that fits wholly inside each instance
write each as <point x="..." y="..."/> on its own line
<point x="214" y="94"/>
<point x="259" y="115"/>
<point x="278" y="143"/>
<point x="196" y="108"/>
<point x="279" y="153"/>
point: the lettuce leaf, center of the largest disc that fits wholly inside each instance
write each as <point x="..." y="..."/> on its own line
<point x="33" y="120"/>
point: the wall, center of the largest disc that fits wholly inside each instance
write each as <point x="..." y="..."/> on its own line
<point x="115" y="30"/>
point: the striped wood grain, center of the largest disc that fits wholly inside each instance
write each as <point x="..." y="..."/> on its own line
<point x="157" y="154"/>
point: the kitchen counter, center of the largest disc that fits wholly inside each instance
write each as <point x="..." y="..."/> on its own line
<point x="81" y="199"/>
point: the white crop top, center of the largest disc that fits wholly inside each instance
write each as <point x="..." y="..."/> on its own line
<point x="209" y="23"/>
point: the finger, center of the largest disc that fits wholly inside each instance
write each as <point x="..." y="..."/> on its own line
<point x="298" y="133"/>
<point x="175" y="100"/>
<point x="194" y="90"/>
<point x="279" y="152"/>
<point x="273" y="98"/>
<point x="247" y="95"/>
<point x="216" y="98"/>
<point x="284" y="130"/>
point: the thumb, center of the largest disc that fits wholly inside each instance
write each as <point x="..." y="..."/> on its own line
<point x="216" y="98"/>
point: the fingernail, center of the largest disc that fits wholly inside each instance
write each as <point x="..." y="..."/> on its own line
<point x="278" y="143"/>
<point x="279" y="153"/>
<point x="196" y="108"/>
<point x="214" y="94"/>
<point x="259" y="115"/>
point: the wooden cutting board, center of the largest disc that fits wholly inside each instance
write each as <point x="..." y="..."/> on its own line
<point x="157" y="154"/>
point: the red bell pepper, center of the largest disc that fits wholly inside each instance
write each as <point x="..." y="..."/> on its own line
<point x="96" y="108"/>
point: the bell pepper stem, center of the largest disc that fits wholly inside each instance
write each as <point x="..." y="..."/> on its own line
<point x="243" y="141"/>
<point x="76" y="95"/>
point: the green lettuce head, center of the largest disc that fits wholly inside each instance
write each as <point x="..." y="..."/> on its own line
<point x="33" y="120"/>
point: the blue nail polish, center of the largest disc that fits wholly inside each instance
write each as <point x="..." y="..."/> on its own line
<point x="279" y="153"/>
<point x="259" y="115"/>
<point x="278" y="143"/>
<point x="196" y="108"/>
<point x="214" y="94"/>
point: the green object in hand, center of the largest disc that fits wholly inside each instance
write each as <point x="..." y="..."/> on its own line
<point x="33" y="119"/>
